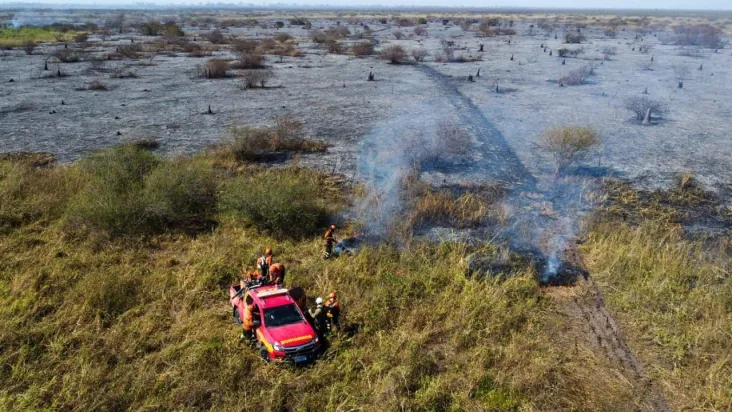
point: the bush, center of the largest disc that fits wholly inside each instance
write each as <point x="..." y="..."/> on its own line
<point x="702" y="35"/>
<point x="284" y="203"/>
<point x="363" y="48"/>
<point x="283" y="37"/>
<point x="169" y="29"/>
<point x="641" y="104"/>
<point x="29" y="47"/>
<point x="420" y="31"/>
<point x="578" y="76"/>
<point x="333" y="46"/>
<point x="81" y="37"/>
<point x="130" y="191"/>
<point x="181" y="192"/>
<point x="395" y="54"/>
<point x="318" y="36"/>
<point x="260" y="143"/>
<point x="68" y="56"/>
<point x="565" y="52"/>
<point x="129" y="51"/>
<point x="573" y="38"/>
<point x="245" y="46"/>
<point x="112" y="198"/>
<point x="249" y="61"/>
<point x="568" y="144"/>
<point x="97" y="85"/>
<point x="214" y="69"/>
<point x="398" y="34"/>
<point x="256" y="78"/>
<point x="216" y="37"/>
<point x="420" y="54"/>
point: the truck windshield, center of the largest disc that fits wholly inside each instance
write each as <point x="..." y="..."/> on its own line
<point x="282" y="315"/>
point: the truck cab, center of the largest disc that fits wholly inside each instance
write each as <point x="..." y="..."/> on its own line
<point x="281" y="329"/>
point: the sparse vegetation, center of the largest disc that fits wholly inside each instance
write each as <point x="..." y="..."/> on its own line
<point x="420" y="54"/>
<point x="566" y="52"/>
<point x="256" y="78"/>
<point x="395" y="54"/>
<point x="574" y="37"/>
<point x="640" y="105"/>
<point x="577" y="77"/>
<point x="703" y="35"/>
<point x="214" y="69"/>
<point x="97" y="85"/>
<point x="568" y="145"/>
<point x="363" y="48"/>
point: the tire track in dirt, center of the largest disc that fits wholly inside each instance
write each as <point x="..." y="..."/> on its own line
<point x="583" y="302"/>
<point x="498" y="160"/>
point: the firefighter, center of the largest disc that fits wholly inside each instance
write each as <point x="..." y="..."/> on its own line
<point x="264" y="262"/>
<point x="330" y="241"/>
<point x="247" y="323"/>
<point x="277" y="274"/>
<point x="318" y="315"/>
<point x="333" y="310"/>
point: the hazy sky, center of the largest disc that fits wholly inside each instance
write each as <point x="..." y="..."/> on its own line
<point x="612" y="4"/>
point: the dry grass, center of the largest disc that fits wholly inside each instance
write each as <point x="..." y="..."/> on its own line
<point x="143" y="322"/>
<point x="246" y="143"/>
<point x="682" y="328"/>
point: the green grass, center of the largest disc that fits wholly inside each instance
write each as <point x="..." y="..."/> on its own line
<point x="140" y="320"/>
<point x="10" y="37"/>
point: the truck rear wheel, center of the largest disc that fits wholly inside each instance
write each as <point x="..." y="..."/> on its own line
<point x="235" y="313"/>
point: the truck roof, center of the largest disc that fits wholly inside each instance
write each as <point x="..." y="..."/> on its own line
<point x="271" y="296"/>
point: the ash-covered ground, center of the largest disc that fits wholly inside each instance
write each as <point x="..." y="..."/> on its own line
<point x="331" y="94"/>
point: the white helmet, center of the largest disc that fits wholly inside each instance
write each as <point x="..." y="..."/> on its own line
<point x="319" y="301"/>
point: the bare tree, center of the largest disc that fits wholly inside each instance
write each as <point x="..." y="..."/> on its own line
<point x="29" y="46"/>
<point x="256" y="78"/>
<point x="419" y="54"/>
<point x="641" y="105"/>
<point x="568" y="144"/>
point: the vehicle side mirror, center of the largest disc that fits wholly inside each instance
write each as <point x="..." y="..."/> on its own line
<point x="257" y="323"/>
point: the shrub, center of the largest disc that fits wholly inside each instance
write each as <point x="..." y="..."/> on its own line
<point x="245" y="46"/>
<point x="398" y="34"/>
<point x="573" y="38"/>
<point x="338" y="32"/>
<point x="641" y="104"/>
<point x="249" y="61"/>
<point x="129" y="51"/>
<point x="81" y="37"/>
<point x="318" y="36"/>
<point x="68" y="55"/>
<point x="279" y="24"/>
<point x="283" y="37"/>
<point x="168" y="29"/>
<point x="299" y="21"/>
<point x="568" y="144"/>
<point x="29" y="47"/>
<point x="256" y="78"/>
<point x="284" y="203"/>
<point x="395" y="54"/>
<point x="181" y="192"/>
<point x="577" y="77"/>
<point x="130" y="191"/>
<point x="97" y="85"/>
<point x="703" y="35"/>
<point x="333" y="46"/>
<point x="420" y="54"/>
<point x="97" y="63"/>
<point x="214" y="69"/>
<point x="216" y="37"/>
<point x="259" y="143"/>
<point x="112" y="199"/>
<point x="402" y="22"/>
<point x="566" y="52"/>
<point x="363" y="48"/>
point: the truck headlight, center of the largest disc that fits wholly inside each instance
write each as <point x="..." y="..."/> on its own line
<point x="278" y="348"/>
